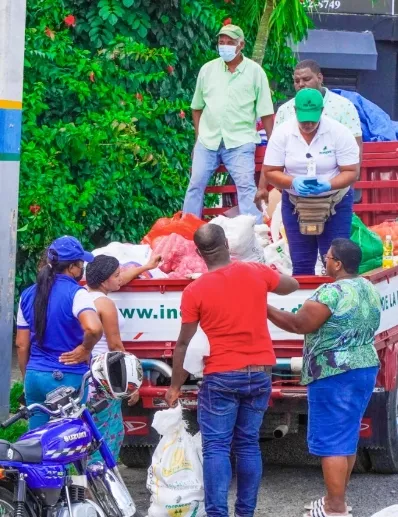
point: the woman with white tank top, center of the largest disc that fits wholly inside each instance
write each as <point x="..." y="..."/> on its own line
<point x="104" y="276"/>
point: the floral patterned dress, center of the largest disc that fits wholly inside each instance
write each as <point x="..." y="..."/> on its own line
<point x="346" y="340"/>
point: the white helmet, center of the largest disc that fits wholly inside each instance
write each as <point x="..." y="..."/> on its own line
<point x="117" y="373"/>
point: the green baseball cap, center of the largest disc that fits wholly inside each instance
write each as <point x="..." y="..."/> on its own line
<point x="233" y="31"/>
<point x="309" y="105"/>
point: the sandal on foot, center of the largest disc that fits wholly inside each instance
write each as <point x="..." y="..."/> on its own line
<point x="320" y="512"/>
<point x="320" y="502"/>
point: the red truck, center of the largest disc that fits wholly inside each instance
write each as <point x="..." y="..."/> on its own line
<point x="152" y="313"/>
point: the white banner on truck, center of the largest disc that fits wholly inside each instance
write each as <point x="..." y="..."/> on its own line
<point x="153" y="316"/>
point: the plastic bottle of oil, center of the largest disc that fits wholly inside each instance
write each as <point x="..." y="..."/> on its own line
<point x="388" y="253"/>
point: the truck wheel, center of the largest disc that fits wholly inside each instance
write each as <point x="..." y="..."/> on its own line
<point x="363" y="463"/>
<point x="136" y="457"/>
<point x="385" y="459"/>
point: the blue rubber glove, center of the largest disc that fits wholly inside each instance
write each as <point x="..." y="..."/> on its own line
<point x="323" y="186"/>
<point x="300" y="187"/>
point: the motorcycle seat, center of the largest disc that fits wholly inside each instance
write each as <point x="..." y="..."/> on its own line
<point x="26" y="451"/>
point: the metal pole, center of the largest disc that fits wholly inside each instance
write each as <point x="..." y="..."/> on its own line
<point x="12" y="41"/>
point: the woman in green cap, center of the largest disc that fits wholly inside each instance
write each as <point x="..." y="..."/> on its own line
<point x="315" y="161"/>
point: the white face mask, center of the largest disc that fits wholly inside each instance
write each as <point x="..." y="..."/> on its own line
<point x="227" y="52"/>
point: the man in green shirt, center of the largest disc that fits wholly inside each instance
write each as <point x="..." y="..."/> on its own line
<point x="232" y="92"/>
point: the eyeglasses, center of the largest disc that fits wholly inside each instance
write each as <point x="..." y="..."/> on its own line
<point x="325" y="258"/>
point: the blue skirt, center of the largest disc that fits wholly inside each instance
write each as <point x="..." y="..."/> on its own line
<point x="336" y="406"/>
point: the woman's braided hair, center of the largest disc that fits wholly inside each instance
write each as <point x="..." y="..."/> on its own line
<point x="100" y="269"/>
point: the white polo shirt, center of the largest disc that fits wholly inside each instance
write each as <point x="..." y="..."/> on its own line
<point x="333" y="145"/>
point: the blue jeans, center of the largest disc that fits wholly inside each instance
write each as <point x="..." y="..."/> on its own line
<point x="231" y="408"/>
<point x="304" y="248"/>
<point x="38" y="384"/>
<point x="239" y="162"/>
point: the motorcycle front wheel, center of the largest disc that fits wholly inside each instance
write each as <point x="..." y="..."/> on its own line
<point x="105" y="500"/>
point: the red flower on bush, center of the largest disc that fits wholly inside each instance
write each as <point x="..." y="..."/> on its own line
<point x="49" y="33"/>
<point x="35" y="209"/>
<point x="182" y="114"/>
<point x="228" y="21"/>
<point x="92" y="77"/>
<point x="139" y="97"/>
<point x="70" y="20"/>
<point x="170" y="69"/>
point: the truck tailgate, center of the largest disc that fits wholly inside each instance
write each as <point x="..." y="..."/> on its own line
<point x="151" y="308"/>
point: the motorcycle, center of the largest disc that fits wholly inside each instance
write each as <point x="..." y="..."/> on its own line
<point x="35" y="477"/>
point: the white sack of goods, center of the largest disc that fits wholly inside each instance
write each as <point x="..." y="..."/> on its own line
<point x="242" y="239"/>
<point x="175" y="477"/>
<point x="131" y="255"/>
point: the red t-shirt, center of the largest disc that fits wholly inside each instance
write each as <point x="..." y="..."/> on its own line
<point x="231" y="305"/>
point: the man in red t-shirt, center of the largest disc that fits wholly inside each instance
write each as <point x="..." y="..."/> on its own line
<point x="230" y="303"/>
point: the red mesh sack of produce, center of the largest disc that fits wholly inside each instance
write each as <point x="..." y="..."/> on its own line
<point x="388" y="228"/>
<point x="181" y="224"/>
<point x="179" y="256"/>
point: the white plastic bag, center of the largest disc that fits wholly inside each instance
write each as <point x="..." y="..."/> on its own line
<point x="131" y="255"/>
<point x="241" y="237"/>
<point x="276" y="222"/>
<point x="198" y="348"/>
<point x="175" y="478"/>
<point x="277" y="255"/>
<point x="263" y="234"/>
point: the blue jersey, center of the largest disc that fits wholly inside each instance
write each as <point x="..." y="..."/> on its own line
<point x="63" y="333"/>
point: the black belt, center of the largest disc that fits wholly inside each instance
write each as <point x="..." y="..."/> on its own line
<point x="255" y="368"/>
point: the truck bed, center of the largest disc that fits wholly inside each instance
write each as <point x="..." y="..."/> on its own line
<point x="151" y="309"/>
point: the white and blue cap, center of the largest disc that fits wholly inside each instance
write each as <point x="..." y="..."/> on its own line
<point x="68" y="249"/>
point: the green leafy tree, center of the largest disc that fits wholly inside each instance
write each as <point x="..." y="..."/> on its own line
<point x="106" y="137"/>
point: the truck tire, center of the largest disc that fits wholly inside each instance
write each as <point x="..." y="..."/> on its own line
<point x="136" y="457"/>
<point x="363" y="463"/>
<point x="385" y="459"/>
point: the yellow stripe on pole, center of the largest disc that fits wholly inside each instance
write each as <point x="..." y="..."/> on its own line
<point x="10" y="105"/>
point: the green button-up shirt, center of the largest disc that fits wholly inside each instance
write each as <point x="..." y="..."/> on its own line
<point x="231" y="103"/>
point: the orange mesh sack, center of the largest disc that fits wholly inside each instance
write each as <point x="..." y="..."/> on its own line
<point x="181" y="224"/>
<point x="388" y="228"/>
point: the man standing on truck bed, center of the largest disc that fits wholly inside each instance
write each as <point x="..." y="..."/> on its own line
<point x="230" y="303"/>
<point x="231" y="93"/>
<point x="308" y="74"/>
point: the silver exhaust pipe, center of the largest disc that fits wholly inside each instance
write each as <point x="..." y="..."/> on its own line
<point x="281" y="431"/>
<point x="157" y="366"/>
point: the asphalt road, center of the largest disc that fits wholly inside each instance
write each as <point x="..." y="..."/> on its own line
<point x="291" y="479"/>
<point x="285" y="490"/>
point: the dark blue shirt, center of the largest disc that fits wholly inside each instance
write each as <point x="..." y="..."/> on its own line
<point x="63" y="333"/>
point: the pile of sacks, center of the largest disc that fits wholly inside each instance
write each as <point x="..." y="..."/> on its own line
<point x="248" y="242"/>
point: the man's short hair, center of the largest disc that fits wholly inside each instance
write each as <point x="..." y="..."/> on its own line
<point x="348" y="253"/>
<point x="311" y="64"/>
<point x="209" y="238"/>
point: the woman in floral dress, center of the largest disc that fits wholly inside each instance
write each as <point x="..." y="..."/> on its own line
<point x="340" y="367"/>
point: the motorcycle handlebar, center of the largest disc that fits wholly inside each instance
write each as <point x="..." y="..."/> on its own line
<point x="26" y="411"/>
<point x="23" y="413"/>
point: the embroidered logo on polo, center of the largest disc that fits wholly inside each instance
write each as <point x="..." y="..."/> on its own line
<point x="325" y="150"/>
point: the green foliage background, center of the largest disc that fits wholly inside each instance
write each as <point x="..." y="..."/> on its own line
<point x="107" y="135"/>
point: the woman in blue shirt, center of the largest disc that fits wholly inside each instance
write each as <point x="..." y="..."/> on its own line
<point x="57" y="325"/>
